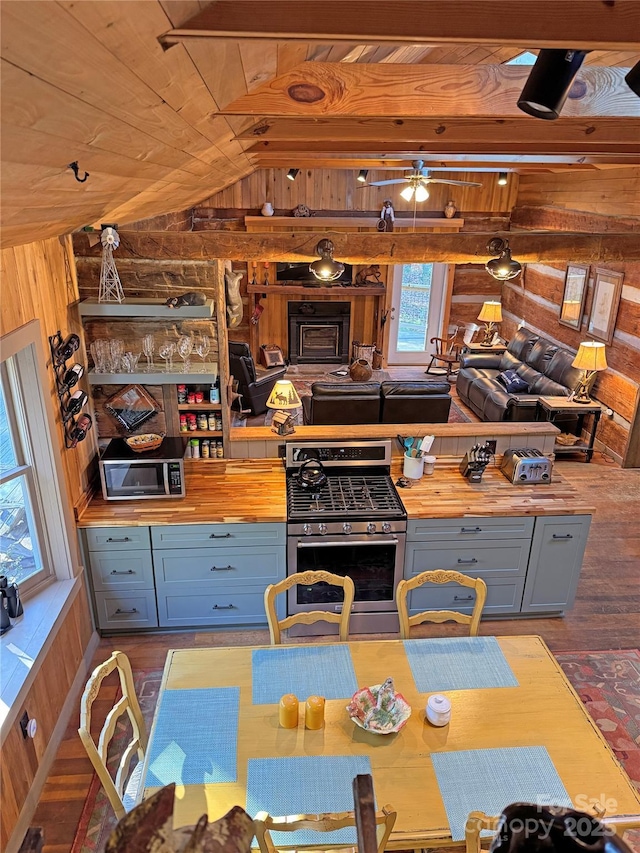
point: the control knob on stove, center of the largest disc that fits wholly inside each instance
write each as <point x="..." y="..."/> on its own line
<point x="386" y="527"/>
<point x="307" y="529"/>
<point x="371" y="528"/>
<point x="322" y="529"/>
<point x="347" y="527"/>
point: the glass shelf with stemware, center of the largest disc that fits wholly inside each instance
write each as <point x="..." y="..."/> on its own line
<point x="202" y="373"/>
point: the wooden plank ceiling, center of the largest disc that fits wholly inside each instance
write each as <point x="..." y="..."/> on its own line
<point x="162" y="120"/>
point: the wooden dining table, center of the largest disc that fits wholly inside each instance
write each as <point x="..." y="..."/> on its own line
<point x="542" y="710"/>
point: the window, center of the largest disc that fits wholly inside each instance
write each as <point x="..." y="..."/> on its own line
<point x="34" y="546"/>
<point x="417" y="307"/>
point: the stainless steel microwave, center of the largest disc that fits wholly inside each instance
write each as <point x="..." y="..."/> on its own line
<point x="127" y="475"/>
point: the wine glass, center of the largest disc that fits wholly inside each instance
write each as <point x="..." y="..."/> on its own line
<point x="167" y="351"/>
<point x="130" y="361"/>
<point x="116" y="351"/>
<point x="185" y="348"/>
<point x="203" y="348"/>
<point x="148" y="348"/>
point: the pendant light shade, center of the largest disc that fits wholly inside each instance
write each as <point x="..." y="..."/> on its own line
<point x="292" y="174"/>
<point x="326" y="269"/>
<point x="422" y="193"/>
<point x="407" y="193"/>
<point x="633" y="79"/>
<point x="503" y="268"/>
<point x="549" y="82"/>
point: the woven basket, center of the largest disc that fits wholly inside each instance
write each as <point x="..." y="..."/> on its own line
<point x="148" y="441"/>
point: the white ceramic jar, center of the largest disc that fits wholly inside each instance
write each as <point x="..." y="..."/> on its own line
<point x="438" y="710"/>
<point x="267" y="209"/>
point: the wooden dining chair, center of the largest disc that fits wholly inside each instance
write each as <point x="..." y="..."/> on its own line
<point x="265" y="824"/>
<point x="277" y="626"/>
<point x="440" y="576"/>
<point x="121" y="791"/>
<point x="447" y="351"/>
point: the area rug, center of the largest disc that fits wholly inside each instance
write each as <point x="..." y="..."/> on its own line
<point x="607" y="682"/>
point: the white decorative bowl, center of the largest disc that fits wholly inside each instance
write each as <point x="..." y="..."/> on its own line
<point x="380" y="714"/>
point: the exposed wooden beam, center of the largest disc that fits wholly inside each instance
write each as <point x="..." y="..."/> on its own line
<point x="476" y="163"/>
<point x="382" y="90"/>
<point x="524" y="23"/>
<point x="461" y="248"/>
<point x="444" y="146"/>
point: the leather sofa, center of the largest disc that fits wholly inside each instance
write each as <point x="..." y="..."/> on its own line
<point x="542" y="364"/>
<point x="372" y="403"/>
<point x="255" y="384"/>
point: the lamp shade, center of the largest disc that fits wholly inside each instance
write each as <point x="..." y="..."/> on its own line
<point x="591" y="355"/>
<point x="283" y="396"/>
<point x="491" y="312"/>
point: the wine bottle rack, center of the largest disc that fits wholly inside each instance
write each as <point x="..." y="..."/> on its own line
<point x="73" y="433"/>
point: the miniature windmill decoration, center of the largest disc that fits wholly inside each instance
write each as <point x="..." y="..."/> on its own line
<point x="110" y="284"/>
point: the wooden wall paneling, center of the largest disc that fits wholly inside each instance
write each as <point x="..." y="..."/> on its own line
<point x="19" y="758"/>
<point x="614" y="192"/>
<point x="472" y="285"/>
<point x="223" y="349"/>
<point x="147" y="278"/>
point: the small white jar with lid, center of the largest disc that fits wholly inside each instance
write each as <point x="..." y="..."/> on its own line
<point x="438" y="710"/>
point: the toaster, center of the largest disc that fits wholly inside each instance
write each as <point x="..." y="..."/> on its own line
<point x="526" y="465"/>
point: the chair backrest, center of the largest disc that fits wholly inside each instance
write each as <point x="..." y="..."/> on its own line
<point x="308" y="618"/>
<point x="265" y="824"/>
<point x="470" y="330"/>
<point x="127" y="703"/>
<point x="241" y="364"/>
<point x="440" y="576"/>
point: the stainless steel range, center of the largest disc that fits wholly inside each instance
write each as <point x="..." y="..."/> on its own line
<point x="353" y="524"/>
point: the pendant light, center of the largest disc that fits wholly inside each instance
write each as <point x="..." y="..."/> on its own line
<point x="326" y="269"/>
<point x="503" y="268"/>
<point x="549" y="82"/>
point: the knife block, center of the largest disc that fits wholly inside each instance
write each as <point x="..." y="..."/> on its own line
<point x="473" y="471"/>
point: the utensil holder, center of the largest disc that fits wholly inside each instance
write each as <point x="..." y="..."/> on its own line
<point x="413" y="467"/>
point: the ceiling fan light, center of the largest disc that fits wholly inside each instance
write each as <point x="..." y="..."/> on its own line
<point x="422" y="193"/>
<point x="549" y="82"/>
<point x="362" y="175"/>
<point x="407" y="193"/>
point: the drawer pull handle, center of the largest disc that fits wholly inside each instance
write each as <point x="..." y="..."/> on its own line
<point x="463" y="598"/>
<point x="224" y="607"/>
<point x="127" y="572"/>
<point x="124" y="539"/>
<point x="220" y="535"/>
<point x="562" y="536"/>
<point x="467" y="562"/>
<point x="221" y="568"/>
<point x="470" y="530"/>
<point x="133" y="610"/>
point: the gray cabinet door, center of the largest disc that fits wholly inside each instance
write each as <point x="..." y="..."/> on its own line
<point x="555" y="562"/>
<point x="206" y="535"/>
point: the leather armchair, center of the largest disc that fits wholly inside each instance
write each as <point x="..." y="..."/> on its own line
<point x="415" y="402"/>
<point x="255" y="385"/>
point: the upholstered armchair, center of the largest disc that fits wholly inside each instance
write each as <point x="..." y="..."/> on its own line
<point x="255" y="384"/>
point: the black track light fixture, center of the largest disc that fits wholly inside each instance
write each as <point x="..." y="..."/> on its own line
<point x="633" y="79"/>
<point x="362" y="175"/>
<point x="549" y="82"/>
<point x="326" y="269"/>
<point x="292" y="174"/>
<point x="502" y="179"/>
<point x="503" y="268"/>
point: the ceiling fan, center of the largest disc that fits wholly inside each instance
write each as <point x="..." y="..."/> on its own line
<point x="418" y="181"/>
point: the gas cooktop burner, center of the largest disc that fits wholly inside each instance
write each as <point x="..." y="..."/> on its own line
<point x="373" y="496"/>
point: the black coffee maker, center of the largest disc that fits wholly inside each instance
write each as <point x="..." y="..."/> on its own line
<point x="10" y="604"/>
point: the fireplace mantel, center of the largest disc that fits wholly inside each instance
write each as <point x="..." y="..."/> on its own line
<point x="311" y="290"/>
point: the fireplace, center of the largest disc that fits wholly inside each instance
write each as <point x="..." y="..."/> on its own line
<point x="318" y="332"/>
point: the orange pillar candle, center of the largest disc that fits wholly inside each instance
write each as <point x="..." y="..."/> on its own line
<point x="288" y="711"/>
<point x="314" y="712"/>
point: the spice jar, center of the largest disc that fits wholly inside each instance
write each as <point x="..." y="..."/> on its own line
<point x="191" y="397"/>
<point x="182" y="393"/>
<point x="191" y="421"/>
<point x="204" y="449"/>
<point x="202" y="420"/>
<point x="199" y="397"/>
<point x="213" y="423"/>
<point x="288" y="711"/>
<point x="195" y="448"/>
<point x="314" y="712"/>
<point x="183" y="423"/>
<point x="219" y="450"/>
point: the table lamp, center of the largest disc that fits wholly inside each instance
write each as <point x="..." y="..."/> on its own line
<point x="490" y="314"/>
<point x="284" y="398"/>
<point x="591" y="358"/>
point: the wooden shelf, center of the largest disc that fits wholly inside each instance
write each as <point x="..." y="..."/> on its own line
<point x="145" y="308"/>
<point x="176" y="377"/>
<point x="323" y="290"/>
<point x="199" y="407"/>
<point x="202" y="433"/>
<point x="348" y="222"/>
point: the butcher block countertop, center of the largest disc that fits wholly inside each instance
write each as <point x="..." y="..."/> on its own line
<point x="231" y="491"/>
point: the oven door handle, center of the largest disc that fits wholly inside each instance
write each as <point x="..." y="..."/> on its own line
<point x="325" y="544"/>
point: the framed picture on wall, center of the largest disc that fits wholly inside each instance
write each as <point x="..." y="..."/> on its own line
<point x="607" y="289"/>
<point x="575" y="293"/>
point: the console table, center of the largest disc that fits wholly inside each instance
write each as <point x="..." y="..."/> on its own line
<point x="553" y="406"/>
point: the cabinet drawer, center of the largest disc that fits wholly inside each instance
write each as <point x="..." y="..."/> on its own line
<point x="199" y="535"/>
<point x="121" y="612"/>
<point x="468" y="529"/>
<point x="117" y="538"/>
<point x="502" y="597"/>
<point x="125" y="570"/>
<point x="486" y="559"/>
<point x="229" y="606"/>
<point x="220" y="565"/>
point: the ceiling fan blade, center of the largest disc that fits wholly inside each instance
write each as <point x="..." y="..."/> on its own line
<point x="384" y="183"/>
<point x="456" y="183"/>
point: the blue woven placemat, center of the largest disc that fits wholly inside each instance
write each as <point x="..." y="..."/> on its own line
<point x="320" y="670"/>
<point x="195" y="738"/>
<point x="305" y="785"/>
<point x="458" y="663"/>
<point x="487" y="780"/>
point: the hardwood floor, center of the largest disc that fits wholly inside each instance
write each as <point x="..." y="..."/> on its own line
<point x="606" y="615"/>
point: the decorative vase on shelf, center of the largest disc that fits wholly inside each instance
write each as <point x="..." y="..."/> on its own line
<point x="267" y="209"/>
<point x="360" y="370"/>
<point x="450" y="210"/>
